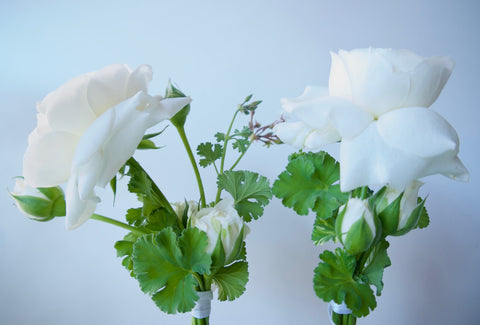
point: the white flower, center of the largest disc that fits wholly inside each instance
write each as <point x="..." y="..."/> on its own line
<point x="377" y="106"/>
<point x="355" y="226"/>
<point x="221" y="220"/>
<point x="41" y="204"/>
<point x="88" y="128"/>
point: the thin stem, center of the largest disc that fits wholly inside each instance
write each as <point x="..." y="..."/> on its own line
<point x="133" y="163"/>
<point x="199" y="279"/>
<point x="117" y="223"/>
<point x="241" y="156"/>
<point x="183" y="136"/>
<point x="224" y="153"/>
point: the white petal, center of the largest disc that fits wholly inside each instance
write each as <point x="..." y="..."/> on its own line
<point x="48" y="158"/>
<point x="300" y="135"/>
<point x="166" y="108"/>
<point x="427" y="81"/>
<point x="78" y="210"/>
<point x="139" y="80"/>
<point x="339" y="81"/>
<point x="67" y="108"/>
<point x="311" y="93"/>
<point x="368" y="160"/>
<point x="418" y="131"/>
<point x="348" y="119"/>
<point x="107" y="87"/>
<point x="376" y="86"/>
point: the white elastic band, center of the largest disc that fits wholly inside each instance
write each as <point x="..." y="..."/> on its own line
<point x="341" y="309"/>
<point x="203" y="305"/>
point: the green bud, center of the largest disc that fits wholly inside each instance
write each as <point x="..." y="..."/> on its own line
<point x="398" y="211"/>
<point x="178" y="120"/>
<point x="356" y="226"/>
<point x="40" y="204"/>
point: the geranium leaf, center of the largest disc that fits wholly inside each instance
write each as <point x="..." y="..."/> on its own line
<point x="231" y="280"/>
<point x="209" y="152"/>
<point x="164" y="267"/>
<point x="333" y="280"/>
<point x="375" y="264"/>
<point x="250" y="191"/>
<point x="323" y="230"/>
<point x="309" y="184"/>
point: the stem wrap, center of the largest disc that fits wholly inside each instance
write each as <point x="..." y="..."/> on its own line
<point x="340" y="309"/>
<point x="203" y="305"/>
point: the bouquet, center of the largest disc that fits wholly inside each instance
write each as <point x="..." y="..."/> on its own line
<point x="376" y="106"/>
<point x="87" y="132"/>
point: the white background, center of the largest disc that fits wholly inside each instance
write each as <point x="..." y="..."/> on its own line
<point x="218" y="52"/>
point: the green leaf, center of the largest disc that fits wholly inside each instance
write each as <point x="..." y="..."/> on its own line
<point x="231" y="281"/>
<point x="218" y="256"/>
<point x="147" y="144"/>
<point x="377" y="261"/>
<point x="390" y="216"/>
<point x="209" y="152"/>
<point x="125" y="248"/>
<point x="308" y="183"/>
<point x="152" y="135"/>
<point x="424" y="220"/>
<point x="241" y="139"/>
<point x="134" y="217"/>
<point x="113" y="185"/>
<point x="250" y="191"/>
<point x="160" y="219"/>
<point x="220" y="137"/>
<point x="324" y="231"/>
<point x="333" y="280"/>
<point x="164" y="265"/>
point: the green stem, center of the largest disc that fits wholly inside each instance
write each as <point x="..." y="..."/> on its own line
<point x="241" y="156"/>
<point x="120" y="224"/>
<point x="183" y="136"/>
<point x="204" y="284"/>
<point x="224" y="153"/>
<point x="133" y="163"/>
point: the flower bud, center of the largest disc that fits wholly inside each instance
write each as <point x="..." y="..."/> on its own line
<point x="221" y="220"/>
<point x="398" y="211"/>
<point x="355" y="226"/>
<point x="41" y="204"/>
<point x="181" y="206"/>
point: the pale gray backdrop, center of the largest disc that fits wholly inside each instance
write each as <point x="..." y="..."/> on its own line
<point x="218" y="52"/>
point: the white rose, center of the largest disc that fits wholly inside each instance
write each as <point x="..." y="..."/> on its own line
<point x="88" y="128"/>
<point x="221" y="220"/>
<point x="376" y="105"/>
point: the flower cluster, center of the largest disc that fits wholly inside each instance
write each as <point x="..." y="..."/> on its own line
<point x="86" y="135"/>
<point x="377" y="107"/>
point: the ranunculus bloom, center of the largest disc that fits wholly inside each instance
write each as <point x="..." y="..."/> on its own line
<point x="376" y="105"/>
<point x="88" y="128"/>
<point x="221" y="220"/>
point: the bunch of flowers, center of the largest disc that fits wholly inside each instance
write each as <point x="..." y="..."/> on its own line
<point x="86" y="135"/>
<point x="376" y="106"/>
